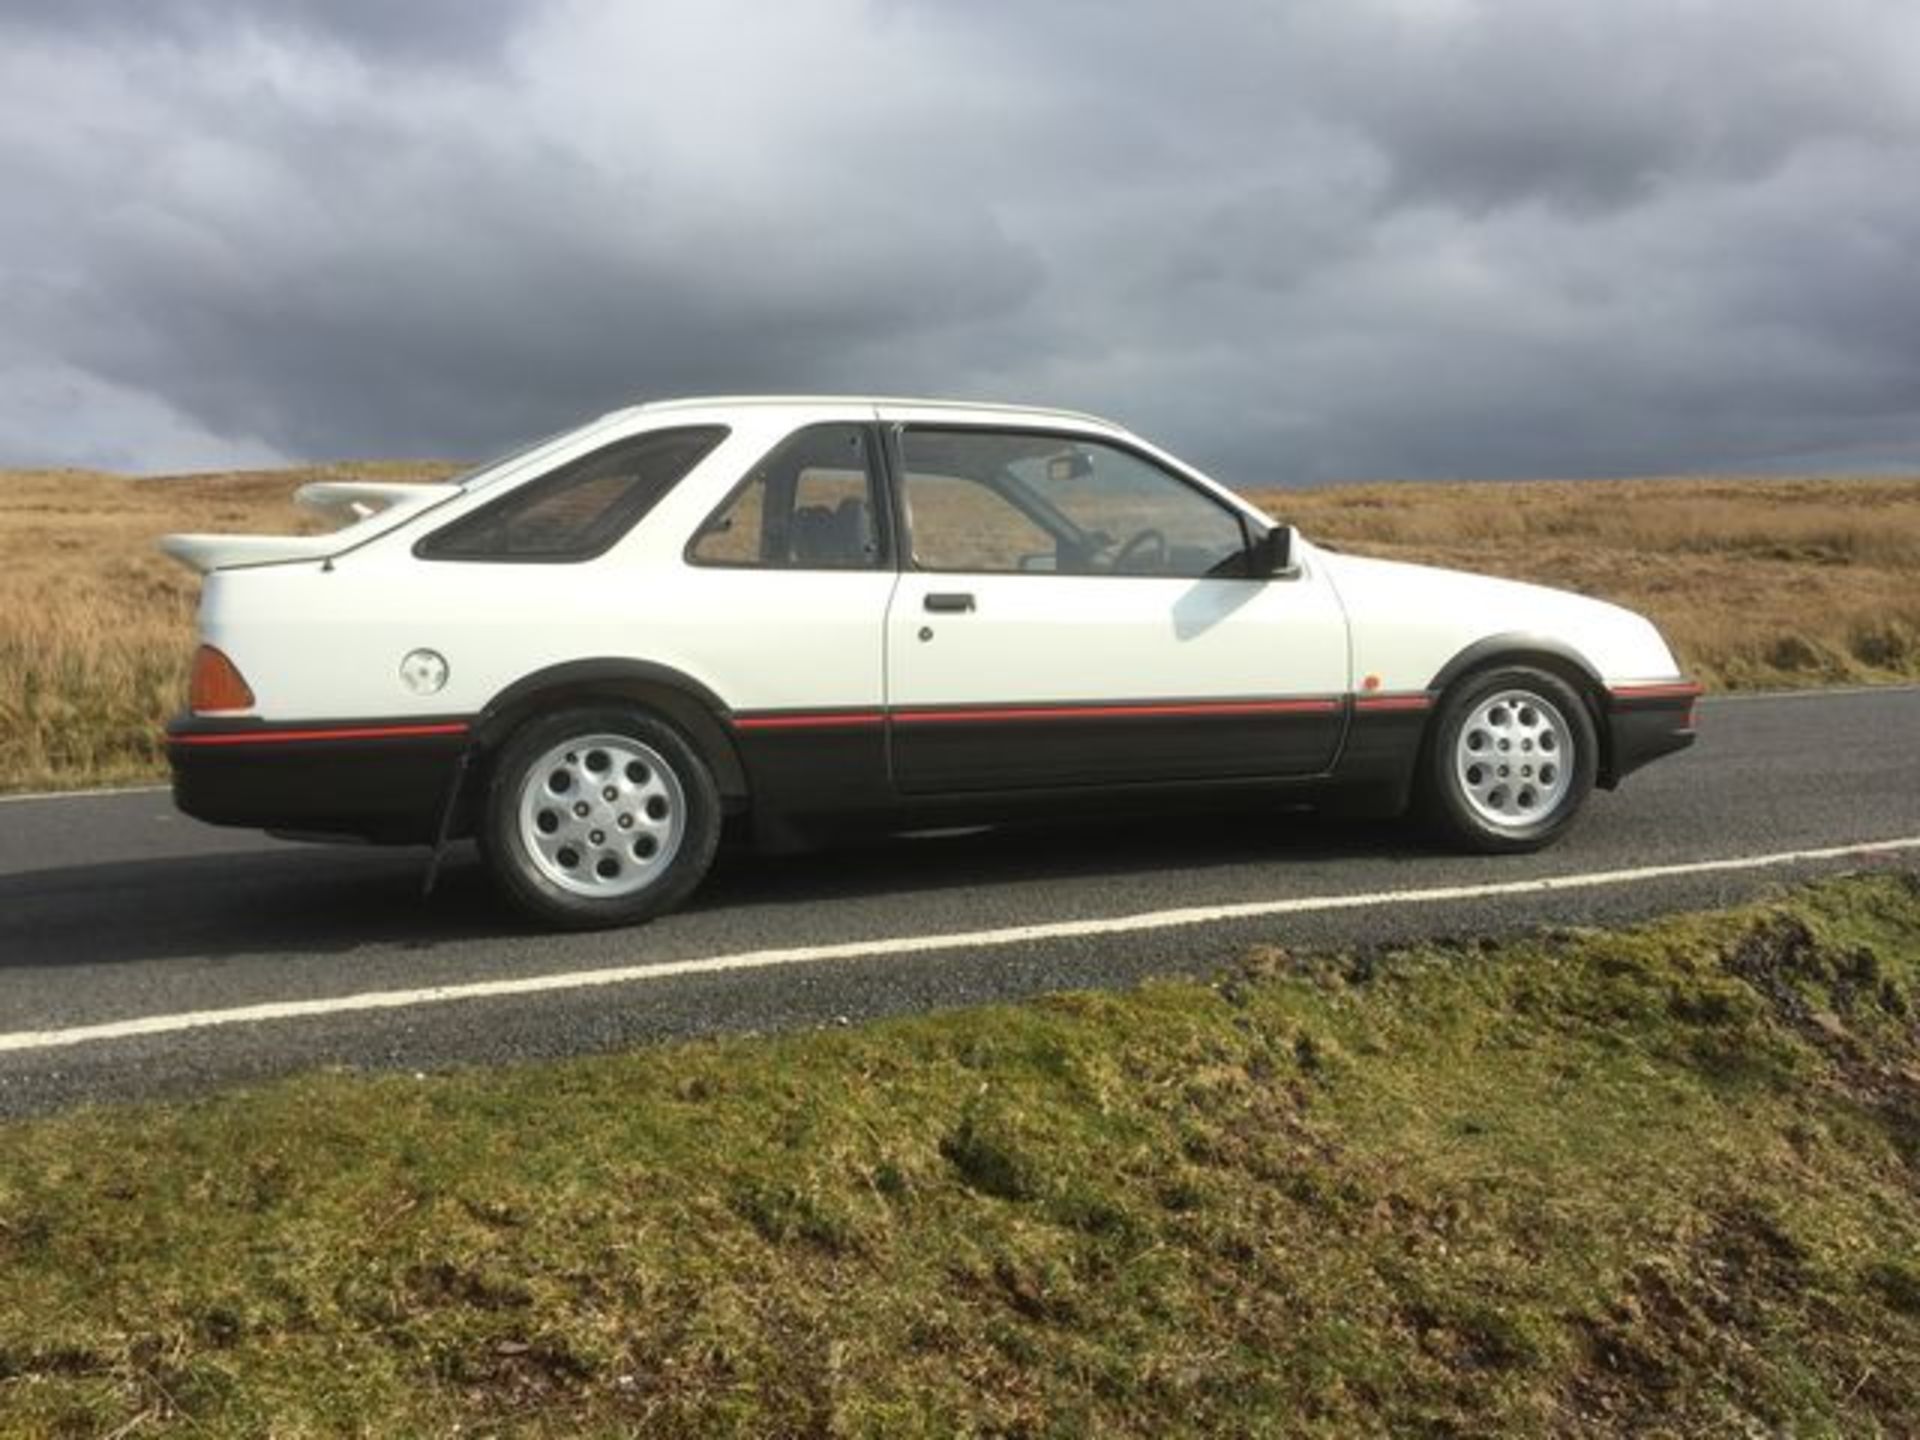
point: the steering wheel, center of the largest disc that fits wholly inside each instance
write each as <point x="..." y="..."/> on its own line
<point x="1139" y="544"/>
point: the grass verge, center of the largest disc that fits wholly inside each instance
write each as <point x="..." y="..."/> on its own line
<point x="1660" y="1181"/>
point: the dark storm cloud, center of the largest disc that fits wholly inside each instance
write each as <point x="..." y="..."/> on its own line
<point x="1595" y="106"/>
<point x="1417" y="237"/>
<point x="428" y="292"/>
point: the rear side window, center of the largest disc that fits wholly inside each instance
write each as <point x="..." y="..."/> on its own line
<point x="810" y="505"/>
<point x="579" y="510"/>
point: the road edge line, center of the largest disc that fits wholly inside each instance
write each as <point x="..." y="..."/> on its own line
<point x="372" y="1000"/>
<point x="95" y="794"/>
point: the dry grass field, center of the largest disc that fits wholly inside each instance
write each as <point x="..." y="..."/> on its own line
<point x="96" y="626"/>
<point x="1756" y="582"/>
<point x="1759" y="582"/>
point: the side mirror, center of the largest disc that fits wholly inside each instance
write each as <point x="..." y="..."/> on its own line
<point x="1272" y="555"/>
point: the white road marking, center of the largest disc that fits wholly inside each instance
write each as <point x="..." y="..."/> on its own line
<point x="1736" y="697"/>
<point x="147" y="1025"/>
<point x="84" y="794"/>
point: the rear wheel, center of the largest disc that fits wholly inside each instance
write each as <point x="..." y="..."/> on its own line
<point x="599" y="817"/>
<point x="1511" y="761"/>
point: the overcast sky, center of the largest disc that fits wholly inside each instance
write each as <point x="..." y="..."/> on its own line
<point x="1292" y="241"/>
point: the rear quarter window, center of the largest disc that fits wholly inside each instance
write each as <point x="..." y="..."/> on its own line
<point x="579" y="510"/>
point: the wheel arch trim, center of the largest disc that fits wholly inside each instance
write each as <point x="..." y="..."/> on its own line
<point x="1515" y="646"/>
<point x="676" y="695"/>
<point x="1555" y="656"/>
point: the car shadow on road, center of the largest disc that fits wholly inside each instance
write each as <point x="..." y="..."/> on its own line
<point x="293" y="901"/>
<point x="327" y="900"/>
<point x="1134" y="846"/>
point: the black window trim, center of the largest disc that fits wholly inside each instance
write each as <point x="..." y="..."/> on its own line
<point x="1240" y="562"/>
<point x="879" y="483"/>
<point x="421" y="548"/>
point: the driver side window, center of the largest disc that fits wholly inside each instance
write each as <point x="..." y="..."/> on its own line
<point x="990" y="501"/>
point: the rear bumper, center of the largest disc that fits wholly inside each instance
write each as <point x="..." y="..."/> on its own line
<point x="1645" y="722"/>
<point x="384" y="781"/>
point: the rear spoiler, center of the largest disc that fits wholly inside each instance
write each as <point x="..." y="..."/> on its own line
<point x="366" y="507"/>
<point x="349" y="501"/>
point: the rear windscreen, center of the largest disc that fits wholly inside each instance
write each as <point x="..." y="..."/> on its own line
<point x="579" y="510"/>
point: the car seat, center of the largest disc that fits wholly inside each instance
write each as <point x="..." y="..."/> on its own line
<point x="838" y="539"/>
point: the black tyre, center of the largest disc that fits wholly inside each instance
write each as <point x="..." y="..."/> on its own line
<point x="1510" y="761"/>
<point x="599" y="816"/>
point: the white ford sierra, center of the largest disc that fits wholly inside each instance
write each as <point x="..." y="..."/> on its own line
<point x="802" y="613"/>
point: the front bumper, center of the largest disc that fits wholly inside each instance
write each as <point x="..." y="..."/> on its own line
<point x="386" y="781"/>
<point x="1645" y="722"/>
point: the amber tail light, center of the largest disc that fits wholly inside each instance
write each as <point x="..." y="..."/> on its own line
<point x="216" y="684"/>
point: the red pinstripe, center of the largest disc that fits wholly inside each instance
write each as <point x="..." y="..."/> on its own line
<point x="808" y="722"/>
<point x="1393" y="702"/>
<point x="1115" y="712"/>
<point x="994" y="714"/>
<point x="357" y="732"/>
<point x="1664" y="690"/>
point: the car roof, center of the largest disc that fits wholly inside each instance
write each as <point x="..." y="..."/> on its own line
<point x="993" y="409"/>
<point x="800" y="410"/>
<point x="816" y="409"/>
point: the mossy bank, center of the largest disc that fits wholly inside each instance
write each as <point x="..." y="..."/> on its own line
<point x="1663" y="1181"/>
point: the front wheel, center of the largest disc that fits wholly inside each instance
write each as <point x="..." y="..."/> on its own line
<point x="1511" y="761"/>
<point x="599" y="817"/>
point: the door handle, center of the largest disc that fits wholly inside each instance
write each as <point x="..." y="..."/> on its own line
<point x="951" y="602"/>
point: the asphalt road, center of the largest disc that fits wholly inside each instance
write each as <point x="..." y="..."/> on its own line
<point x="116" y="912"/>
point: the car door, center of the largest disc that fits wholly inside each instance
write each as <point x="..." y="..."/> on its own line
<point x="783" y="596"/>
<point x="1074" y="612"/>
